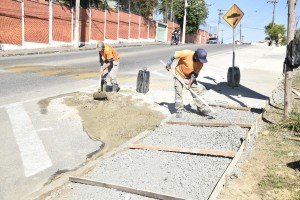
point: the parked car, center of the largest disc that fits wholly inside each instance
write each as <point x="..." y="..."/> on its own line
<point x="212" y="40"/>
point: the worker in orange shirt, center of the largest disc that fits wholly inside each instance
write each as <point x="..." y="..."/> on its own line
<point x="110" y="61"/>
<point x="188" y="67"/>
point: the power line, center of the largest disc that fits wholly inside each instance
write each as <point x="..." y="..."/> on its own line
<point x="253" y="28"/>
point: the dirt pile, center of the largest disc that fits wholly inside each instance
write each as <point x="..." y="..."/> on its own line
<point x="115" y="120"/>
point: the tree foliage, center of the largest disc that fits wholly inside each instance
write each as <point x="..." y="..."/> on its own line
<point x="84" y="3"/>
<point x="276" y="32"/>
<point x="141" y="7"/>
<point x="197" y="12"/>
<point x="144" y="8"/>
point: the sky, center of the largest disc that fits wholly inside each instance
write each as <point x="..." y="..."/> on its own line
<point x="257" y="14"/>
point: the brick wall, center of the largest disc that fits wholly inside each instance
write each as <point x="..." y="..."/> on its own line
<point x="61" y="23"/>
<point x="144" y="28"/>
<point x="171" y="28"/>
<point x="97" y="24"/>
<point x="111" y="25"/>
<point x="199" y="38"/>
<point x="36" y="21"/>
<point x="36" y="24"/>
<point x="134" y="26"/>
<point x="152" y="29"/>
<point x="84" y="25"/>
<point x="10" y="22"/>
<point x="124" y="25"/>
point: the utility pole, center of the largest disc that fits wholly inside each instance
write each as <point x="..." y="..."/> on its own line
<point x="219" y="21"/>
<point x="288" y="69"/>
<point x="184" y="22"/>
<point x="222" y="36"/>
<point x="241" y="32"/>
<point x="76" y="30"/>
<point x="274" y="8"/>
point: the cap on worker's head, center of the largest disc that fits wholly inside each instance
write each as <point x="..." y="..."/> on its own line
<point x="201" y="55"/>
<point x="100" y="46"/>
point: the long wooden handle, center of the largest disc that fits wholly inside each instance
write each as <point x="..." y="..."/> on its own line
<point x="100" y="78"/>
<point x="192" y="91"/>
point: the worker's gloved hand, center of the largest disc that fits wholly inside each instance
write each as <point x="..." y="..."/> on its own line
<point x="168" y="67"/>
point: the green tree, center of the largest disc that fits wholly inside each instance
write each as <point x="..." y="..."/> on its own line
<point x="85" y="3"/>
<point x="276" y="32"/>
<point x="144" y="8"/>
<point x="197" y="12"/>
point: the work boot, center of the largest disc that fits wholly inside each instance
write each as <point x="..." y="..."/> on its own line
<point x="115" y="87"/>
<point x="202" y="111"/>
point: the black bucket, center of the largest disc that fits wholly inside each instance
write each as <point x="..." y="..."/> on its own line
<point x="143" y="80"/>
<point x="233" y="80"/>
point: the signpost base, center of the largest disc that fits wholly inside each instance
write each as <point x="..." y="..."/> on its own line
<point x="233" y="76"/>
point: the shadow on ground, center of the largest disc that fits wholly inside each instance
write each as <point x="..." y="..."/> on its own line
<point x="228" y="91"/>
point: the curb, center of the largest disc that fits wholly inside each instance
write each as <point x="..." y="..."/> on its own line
<point x="24" y="52"/>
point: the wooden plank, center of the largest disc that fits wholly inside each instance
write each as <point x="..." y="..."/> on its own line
<point x="124" y="189"/>
<point x="293" y="138"/>
<point x="210" y="124"/>
<point x="212" y="152"/>
<point x="233" y="107"/>
<point x="221" y="183"/>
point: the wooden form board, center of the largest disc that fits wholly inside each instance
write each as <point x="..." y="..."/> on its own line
<point x="294" y="138"/>
<point x="221" y="183"/>
<point x="233" y="107"/>
<point x="212" y="152"/>
<point x="210" y="124"/>
<point x="124" y="189"/>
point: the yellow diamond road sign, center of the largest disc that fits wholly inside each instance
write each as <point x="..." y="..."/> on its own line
<point x="233" y="16"/>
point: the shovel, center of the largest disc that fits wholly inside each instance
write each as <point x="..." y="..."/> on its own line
<point x="192" y="91"/>
<point x="100" y="95"/>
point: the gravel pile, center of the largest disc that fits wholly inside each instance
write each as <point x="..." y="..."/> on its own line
<point x="182" y="175"/>
<point x="184" y="136"/>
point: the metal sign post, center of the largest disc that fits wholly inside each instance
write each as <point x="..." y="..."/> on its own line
<point x="233" y="61"/>
<point x="233" y="17"/>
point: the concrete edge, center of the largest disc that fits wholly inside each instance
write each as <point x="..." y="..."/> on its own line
<point x="24" y="52"/>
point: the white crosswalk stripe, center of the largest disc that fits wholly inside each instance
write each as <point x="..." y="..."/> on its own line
<point x="34" y="156"/>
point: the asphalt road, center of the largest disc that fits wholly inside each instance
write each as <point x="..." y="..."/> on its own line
<point x="29" y="154"/>
<point x="26" y="77"/>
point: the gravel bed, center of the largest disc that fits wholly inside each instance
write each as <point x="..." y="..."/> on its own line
<point x="183" y="175"/>
<point x="184" y="136"/>
<point x="222" y="115"/>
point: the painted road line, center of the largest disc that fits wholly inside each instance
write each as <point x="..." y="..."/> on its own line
<point x="85" y="75"/>
<point x="62" y="71"/>
<point x="10" y="65"/>
<point x="33" y="154"/>
<point x="125" y="79"/>
<point x="26" y="69"/>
